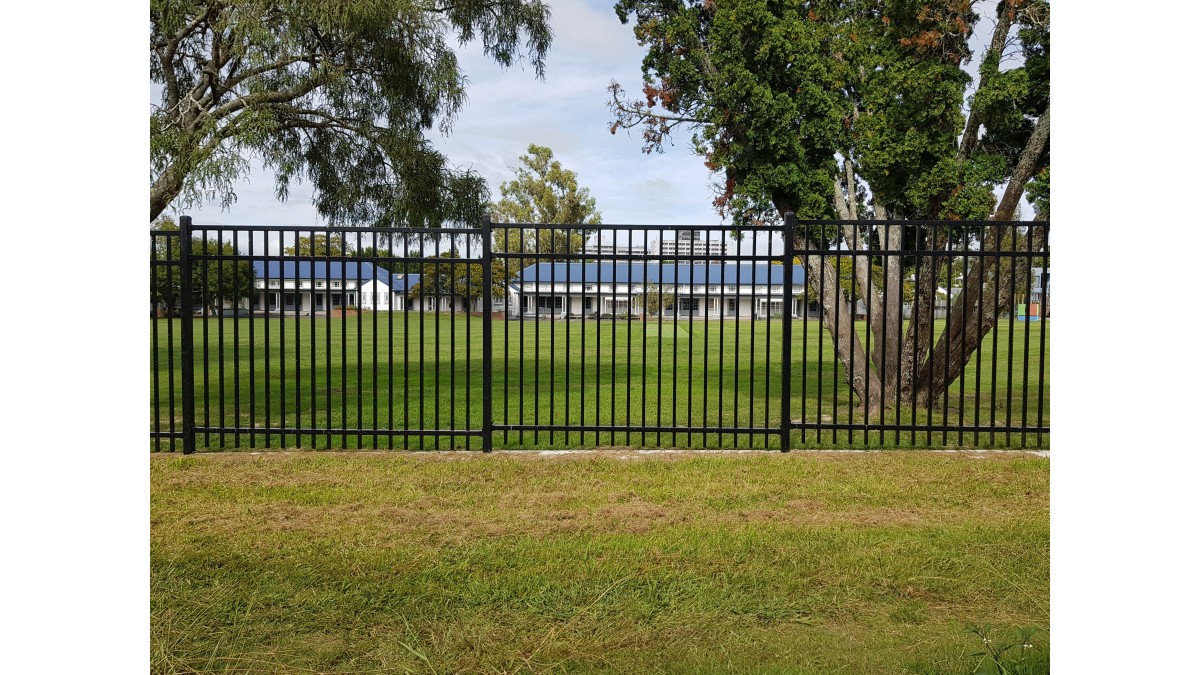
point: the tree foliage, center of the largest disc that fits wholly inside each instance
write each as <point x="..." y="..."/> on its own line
<point x="215" y="283"/>
<point x="854" y="109"/>
<point x="777" y="93"/>
<point x="320" y="245"/>
<point x="656" y="298"/>
<point x="464" y="280"/>
<point x="544" y="192"/>
<point x="381" y="257"/>
<point x="340" y="93"/>
<point x="1039" y="194"/>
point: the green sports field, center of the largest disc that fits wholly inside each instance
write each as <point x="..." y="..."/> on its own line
<point x="375" y="371"/>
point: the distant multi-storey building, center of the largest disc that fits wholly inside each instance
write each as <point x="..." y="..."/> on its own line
<point x="606" y="249"/>
<point x="689" y="242"/>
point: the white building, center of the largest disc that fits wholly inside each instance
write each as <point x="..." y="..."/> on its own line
<point x="308" y="286"/>
<point x="731" y="290"/>
<point x="609" y="249"/>
<point x="693" y="242"/>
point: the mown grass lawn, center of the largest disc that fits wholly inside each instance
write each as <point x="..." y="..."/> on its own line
<point x="608" y="562"/>
<point x="374" y="371"/>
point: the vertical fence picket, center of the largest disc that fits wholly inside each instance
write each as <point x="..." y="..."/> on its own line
<point x="785" y="382"/>
<point x="487" y="291"/>
<point x="186" y="355"/>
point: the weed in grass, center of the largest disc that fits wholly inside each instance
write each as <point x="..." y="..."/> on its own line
<point x="1009" y="658"/>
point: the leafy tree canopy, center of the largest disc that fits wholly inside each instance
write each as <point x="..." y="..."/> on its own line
<point x="779" y="94"/>
<point x="544" y="192"/>
<point x="338" y="92"/>
<point x="656" y="298"/>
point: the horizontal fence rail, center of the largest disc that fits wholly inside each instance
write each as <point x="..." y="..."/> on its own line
<point x="793" y="334"/>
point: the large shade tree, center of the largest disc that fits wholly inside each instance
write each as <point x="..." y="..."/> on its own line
<point x="338" y="92"/>
<point x="860" y="109"/>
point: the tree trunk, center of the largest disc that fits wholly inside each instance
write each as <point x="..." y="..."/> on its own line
<point x="919" y="336"/>
<point x="960" y="340"/>
<point x="838" y="318"/>
<point x="970" y="136"/>
<point x="893" y="311"/>
<point x="847" y="209"/>
<point x="963" y="324"/>
<point x="165" y="188"/>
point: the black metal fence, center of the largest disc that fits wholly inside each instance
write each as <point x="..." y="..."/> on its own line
<point x="795" y="334"/>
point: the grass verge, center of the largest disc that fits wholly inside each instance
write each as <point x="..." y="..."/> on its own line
<point x="801" y="563"/>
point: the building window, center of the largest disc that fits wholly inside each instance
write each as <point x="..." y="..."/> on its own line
<point x="336" y="284"/>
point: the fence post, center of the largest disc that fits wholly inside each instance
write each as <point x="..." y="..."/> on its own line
<point x="186" y="357"/>
<point x="487" y="332"/>
<point x="785" y="389"/>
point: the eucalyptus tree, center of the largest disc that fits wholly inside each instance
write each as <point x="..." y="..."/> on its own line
<point x="860" y="109"/>
<point x="338" y="92"/>
<point x="543" y="191"/>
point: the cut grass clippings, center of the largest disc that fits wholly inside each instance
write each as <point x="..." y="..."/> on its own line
<point x="598" y="562"/>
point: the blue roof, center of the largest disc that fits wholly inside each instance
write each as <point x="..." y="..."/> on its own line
<point x="405" y="282"/>
<point x="334" y="270"/>
<point x="731" y="274"/>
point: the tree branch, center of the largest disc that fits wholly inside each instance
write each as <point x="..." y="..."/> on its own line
<point x="266" y="98"/>
<point x="233" y="82"/>
<point x="1026" y="167"/>
<point x="999" y="38"/>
